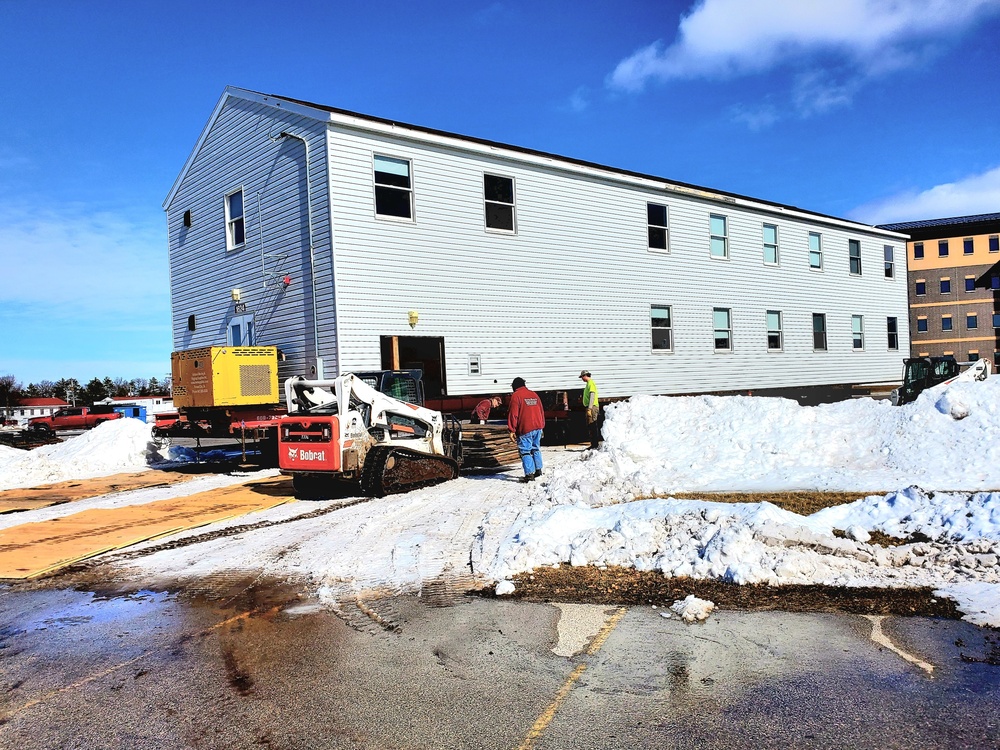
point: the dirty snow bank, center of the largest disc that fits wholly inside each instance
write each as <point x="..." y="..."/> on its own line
<point x="118" y="445"/>
<point x="593" y="513"/>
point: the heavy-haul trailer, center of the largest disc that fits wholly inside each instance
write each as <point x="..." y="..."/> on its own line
<point x="233" y="392"/>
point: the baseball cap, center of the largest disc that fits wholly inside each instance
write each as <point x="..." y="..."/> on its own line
<point x="585" y="372"/>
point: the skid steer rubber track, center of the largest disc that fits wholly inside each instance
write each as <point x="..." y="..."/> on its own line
<point x="389" y="470"/>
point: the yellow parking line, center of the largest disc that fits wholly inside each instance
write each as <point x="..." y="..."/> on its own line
<point x="549" y="713"/>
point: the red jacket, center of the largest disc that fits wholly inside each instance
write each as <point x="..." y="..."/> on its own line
<point x="525" y="413"/>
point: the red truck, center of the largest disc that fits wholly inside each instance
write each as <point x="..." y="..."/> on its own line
<point x="74" y="418"/>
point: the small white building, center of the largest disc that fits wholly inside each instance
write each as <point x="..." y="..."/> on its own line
<point x="354" y="242"/>
<point x="32" y="407"/>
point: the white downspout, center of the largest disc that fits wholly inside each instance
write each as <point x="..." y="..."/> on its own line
<point x="312" y="262"/>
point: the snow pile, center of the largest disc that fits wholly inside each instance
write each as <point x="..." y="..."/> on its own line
<point x="599" y="512"/>
<point x="948" y="439"/>
<point x="118" y="445"/>
<point x="693" y="609"/>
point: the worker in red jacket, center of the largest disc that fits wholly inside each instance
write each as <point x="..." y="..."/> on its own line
<point x="525" y="420"/>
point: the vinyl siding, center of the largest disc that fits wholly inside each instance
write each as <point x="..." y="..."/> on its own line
<point x="242" y="149"/>
<point x="572" y="289"/>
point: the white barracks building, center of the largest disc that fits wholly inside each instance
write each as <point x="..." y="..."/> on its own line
<point x="358" y="243"/>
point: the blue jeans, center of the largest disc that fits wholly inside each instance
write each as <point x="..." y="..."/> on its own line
<point x="529" y="447"/>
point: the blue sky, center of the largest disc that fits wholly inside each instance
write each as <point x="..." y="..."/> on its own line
<point x="867" y="109"/>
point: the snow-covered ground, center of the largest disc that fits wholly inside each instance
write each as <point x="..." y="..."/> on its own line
<point x="929" y="467"/>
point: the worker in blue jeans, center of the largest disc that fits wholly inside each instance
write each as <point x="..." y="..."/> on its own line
<point x="525" y="420"/>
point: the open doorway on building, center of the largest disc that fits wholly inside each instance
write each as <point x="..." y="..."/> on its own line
<point x="424" y="353"/>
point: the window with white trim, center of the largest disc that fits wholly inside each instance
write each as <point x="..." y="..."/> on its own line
<point x="235" y="228"/>
<point x="890" y="266"/>
<point x="774" y="334"/>
<point x="771" y="244"/>
<point x="722" y="322"/>
<point x="815" y="250"/>
<point x="499" y="193"/>
<point x="819" y="332"/>
<point x="662" y="328"/>
<point x="854" y="253"/>
<point x="892" y="329"/>
<point x="657" y="231"/>
<point x="719" y="230"/>
<point x="858" y="332"/>
<point x="393" y="187"/>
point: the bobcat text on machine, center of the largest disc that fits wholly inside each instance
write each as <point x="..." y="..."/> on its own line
<point x="344" y="430"/>
<point x="921" y="373"/>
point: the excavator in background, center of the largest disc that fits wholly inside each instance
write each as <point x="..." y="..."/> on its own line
<point x="345" y="429"/>
<point x="921" y="373"/>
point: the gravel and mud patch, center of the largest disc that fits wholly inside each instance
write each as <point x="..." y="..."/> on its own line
<point x="626" y="586"/>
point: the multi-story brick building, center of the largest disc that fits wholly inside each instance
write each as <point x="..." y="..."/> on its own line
<point x="954" y="286"/>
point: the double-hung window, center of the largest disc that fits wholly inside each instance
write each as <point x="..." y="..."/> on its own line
<point x="393" y="187"/>
<point x="815" y="250"/>
<point x="722" y="321"/>
<point x="858" y="332"/>
<point x="499" y="192"/>
<point x="235" y="228"/>
<point x="819" y="332"/>
<point x="771" y="244"/>
<point x="661" y="327"/>
<point x="774" y="335"/>
<point x="892" y="328"/>
<point x="719" y="228"/>
<point x="656" y="227"/>
<point x="890" y="266"/>
<point x="854" y="251"/>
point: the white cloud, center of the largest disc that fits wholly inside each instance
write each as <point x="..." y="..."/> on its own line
<point x="78" y="263"/>
<point x="867" y="38"/>
<point x="975" y="194"/>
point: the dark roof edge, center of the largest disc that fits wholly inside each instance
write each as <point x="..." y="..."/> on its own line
<point x="947" y="227"/>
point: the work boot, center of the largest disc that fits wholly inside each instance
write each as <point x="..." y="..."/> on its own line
<point x="526" y="478"/>
<point x="537" y="474"/>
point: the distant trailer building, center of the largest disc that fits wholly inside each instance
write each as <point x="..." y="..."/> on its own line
<point x="954" y="284"/>
<point x="27" y="408"/>
<point x="354" y="243"/>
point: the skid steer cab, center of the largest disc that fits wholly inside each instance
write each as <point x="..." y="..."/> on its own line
<point x="346" y="431"/>
<point x="921" y="373"/>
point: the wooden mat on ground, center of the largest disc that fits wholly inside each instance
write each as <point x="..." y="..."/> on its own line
<point x="33" y="549"/>
<point x="488" y="446"/>
<point x="29" y="498"/>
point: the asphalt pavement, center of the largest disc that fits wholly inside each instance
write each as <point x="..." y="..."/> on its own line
<point x="267" y="666"/>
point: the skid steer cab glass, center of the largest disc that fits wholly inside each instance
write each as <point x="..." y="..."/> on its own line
<point x="309" y="444"/>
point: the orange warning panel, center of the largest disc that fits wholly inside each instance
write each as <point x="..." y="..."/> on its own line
<point x="33" y="549"/>
<point x="30" y="498"/>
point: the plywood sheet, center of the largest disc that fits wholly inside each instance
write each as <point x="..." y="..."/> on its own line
<point x="33" y="549"/>
<point x="30" y="498"/>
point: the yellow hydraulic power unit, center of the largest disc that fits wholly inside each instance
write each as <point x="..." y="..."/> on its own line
<point x="225" y="376"/>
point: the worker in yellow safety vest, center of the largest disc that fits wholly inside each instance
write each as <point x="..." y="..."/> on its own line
<point x="593" y="407"/>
